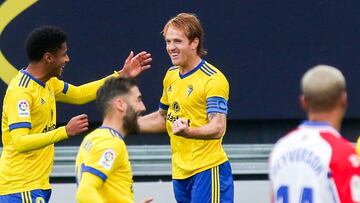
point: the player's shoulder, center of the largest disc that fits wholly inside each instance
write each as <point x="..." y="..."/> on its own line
<point x="338" y="143"/>
<point x="54" y="80"/>
<point x="286" y="141"/>
<point x="172" y="71"/>
<point x="106" y="134"/>
<point x="210" y="72"/>
<point x="20" y="82"/>
<point x="19" y="86"/>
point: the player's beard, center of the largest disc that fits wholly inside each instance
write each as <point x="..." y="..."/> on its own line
<point x="130" y="123"/>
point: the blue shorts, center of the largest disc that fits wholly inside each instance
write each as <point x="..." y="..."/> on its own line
<point x="33" y="196"/>
<point x="214" y="185"/>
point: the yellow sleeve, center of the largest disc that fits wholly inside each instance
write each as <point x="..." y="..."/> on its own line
<point x="164" y="103"/>
<point x="24" y="142"/>
<point x="217" y="86"/>
<point x="88" y="189"/>
<point x="80" y="94"/>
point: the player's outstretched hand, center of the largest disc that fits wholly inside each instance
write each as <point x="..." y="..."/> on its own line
<point x="180" y="127"/>
<point x="148" y="200"/>
<point x="134" y="65"/>
<point x="77" y="125"/>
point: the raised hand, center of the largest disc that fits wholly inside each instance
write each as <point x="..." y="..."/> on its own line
<point x="77" y="125"/>
<point x="134" y="65"/>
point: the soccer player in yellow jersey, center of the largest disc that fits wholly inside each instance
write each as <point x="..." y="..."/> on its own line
<point x="193" y="110"/>
<point x="29" y="115"/>
<point x="103" y="169"/>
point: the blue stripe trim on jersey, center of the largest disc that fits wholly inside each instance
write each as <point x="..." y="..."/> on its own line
<point x="24" y="80"/>
<point x="205" y="71"/>
<point x="21" y="80"/>
<point x="93" y="171"/>
<point x="207" y="67"/>
<point x="27" y="82"/>
<point x="216" y="104"/>
<point x="163" y="106"/>
<point x="193" y="70"/>
<point x="20" y="125"/>
<point x="66" y="87"/>
<point x="32" y="77"/>
<point x="27" y="78"/>
<point x="113" y="131"/>
<point x="315" y="123"/>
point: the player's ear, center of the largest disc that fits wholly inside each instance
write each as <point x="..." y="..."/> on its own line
<point x="194" y="43"/>
<point x="344" y="100"/>
<point x="47" y="57"/>
<point x="303" y="103"/>
<point x="119" y="104"/>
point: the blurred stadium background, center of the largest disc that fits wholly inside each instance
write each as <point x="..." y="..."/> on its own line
<point x="263" y="47"/>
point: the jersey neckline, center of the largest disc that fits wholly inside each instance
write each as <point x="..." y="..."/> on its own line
<point x="113" y="131"/>
<point x="319" y="125"/>
<point x="193" y="70"/>
<point x="32" y="77"/>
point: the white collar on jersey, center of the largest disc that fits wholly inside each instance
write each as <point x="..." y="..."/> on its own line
<point x="319" y="126"/>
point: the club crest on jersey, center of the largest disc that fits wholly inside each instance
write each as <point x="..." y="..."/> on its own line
<point x="169" y="89"/>
<point x="42" y="101"/>
<point x="107" y="159"/>
<point x="189" y="90"/>
<point x="23" y="108"/>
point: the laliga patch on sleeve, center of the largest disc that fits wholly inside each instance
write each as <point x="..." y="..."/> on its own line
<point x="355" y="188"/>
<point x="23" y="108"/>
<point x="107" y="159"/>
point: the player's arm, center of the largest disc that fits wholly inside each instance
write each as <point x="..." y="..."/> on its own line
<point x="133" y="66"/>
<point x="154" y="122"/>
<point x="217" y="91"/>
<point x="88" y="189"/>
<point x="213" y="130"/>
<point x="23" y="141"/>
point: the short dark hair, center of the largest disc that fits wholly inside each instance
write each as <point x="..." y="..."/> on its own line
<point x="44" y="39"/>
<point x="115" y="86"/>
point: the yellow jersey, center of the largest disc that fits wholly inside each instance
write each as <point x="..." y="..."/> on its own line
<point x="28" y="103"/>
<point x="103" y="153"/>
<point x="192" y="96"/>
<point x="29" y="129"/>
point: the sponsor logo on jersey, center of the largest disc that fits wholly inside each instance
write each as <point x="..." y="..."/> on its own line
<point x="107" y="159"/>
<point x="23" y="108"/>
<point x="176" y="107"/>
<point x="49" y="128"/>
<point x="170" y="117"/>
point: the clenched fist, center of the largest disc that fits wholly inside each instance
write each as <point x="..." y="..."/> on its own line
<point x="77" y="125"/>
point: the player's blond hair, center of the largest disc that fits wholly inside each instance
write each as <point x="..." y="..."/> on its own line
<point x="190" y="24"/>
<point x="322" y="86"/>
